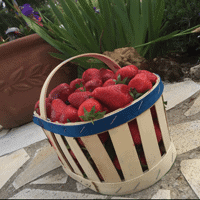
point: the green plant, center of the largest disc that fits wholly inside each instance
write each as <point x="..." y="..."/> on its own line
<point x="183" y="15"/>
<point x="120" y="23"/>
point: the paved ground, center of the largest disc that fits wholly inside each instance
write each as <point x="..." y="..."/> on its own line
<point x="30" y="169"/>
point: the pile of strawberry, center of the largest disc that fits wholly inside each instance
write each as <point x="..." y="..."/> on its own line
<point x="98" y="92"/>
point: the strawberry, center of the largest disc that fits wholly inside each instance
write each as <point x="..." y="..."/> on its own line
<point x="74" y="83"/>
<point x="152" y="77"/>
<point x="157" y="130"/>
<point x="140" y="82"/>
<point x="62" y="92"/>
<point x="76" y="161"/>
<point x="136" y="134"/>
<point x="72" y="154"/>
<point x="91" y="73"/>
<point x="92" y="84"/>
<point x="80" y="89"/>
<point x="106" y="74"/>
<point x="108" y="83"/>
<point x="69" y="114"/>
<point x="48" y="107"/>
<point x="114" y="96"/>
<point x="153" y="112"/>
<point x="90" y="109"/>
<point x="105" y="109"/>
<point x="142" y="159"/>
<point x="127" y="72"/>
<point x="77" y="98"/>
<point x="57" y="107"/>
<point x="102" y="136"/>
<point x="99" y="175"/>
<point x="116" y="163"/>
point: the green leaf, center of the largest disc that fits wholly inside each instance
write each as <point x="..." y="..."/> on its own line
<point x="58" y="14"/>
<point x="57" y="55"/>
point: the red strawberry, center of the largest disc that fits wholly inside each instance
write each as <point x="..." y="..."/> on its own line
<point x="102" y="136"/>
<point x="114" y="96"/>
<point x="109" y="82"/>
<point x="99" y="175"/>
<point x="90" y="109"/>
<point x="136" y="134"/>
<point x="91" y="73"/>
<point x="75" y="82"/>
<point x="72" y="154"/>
<point x="57" y="107"/>
<point x="77" y="98"/>
<point x="142" y="159"/>
<point x="141" y="83"/>
<point x="116" y="163"/>
<point x="153" y="112"/>
<point x="76" y="161"/>
<point x="62" y="92"/>
<point x="152" y="77"/>
<point x="79" y="166"/>
<point x="48" y="107"/>
<point x="157" y="130"/>
<point x="128" y="71"/>
<point x="69" y="114"/>
<point x="106" y="74"/>
<point x="92" y="84"/>
<point x="105" y="109"/>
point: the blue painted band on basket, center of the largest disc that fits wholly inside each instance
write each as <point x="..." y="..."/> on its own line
<point x="106" y="123"/>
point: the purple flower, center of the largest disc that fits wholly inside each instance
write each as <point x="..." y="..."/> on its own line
<point x="27" y="10"/>
<point x="35" y="13"/>
<point x="26" y="5"/>
<point x="96" y="10"/>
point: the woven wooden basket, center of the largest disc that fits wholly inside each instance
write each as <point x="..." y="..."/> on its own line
<point x="134" y="178"/>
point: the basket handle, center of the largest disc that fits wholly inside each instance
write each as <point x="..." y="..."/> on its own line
<point x="108" y="61"/>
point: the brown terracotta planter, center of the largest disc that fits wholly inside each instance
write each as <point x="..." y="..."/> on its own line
<point x="24" y="66"/>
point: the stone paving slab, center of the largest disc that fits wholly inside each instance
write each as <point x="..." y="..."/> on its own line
<point x="176" y="93"/>
<point x="194" y="109"/>
<point x="60" y="178"/>
<point x="3" y="132"/>
<point x="162" y="194"/>
<point x="46" y="194"/>
<point x="185" y="136"/>
<point x="21" y="137"/>
<point x="44" y="161"/>
<point x="80" y="187"/>
<point x="191" y="171"/>
<point x="10" y="164"/>
<point x="172" y="182"/>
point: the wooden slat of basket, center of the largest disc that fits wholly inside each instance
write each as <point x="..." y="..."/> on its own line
<point x="148" y="138"/>
<point x="86" y="182"/>
<point x="126" y="152"/>
<point x="162" y="122"/>
<point x="133" y="185"/>
<point x="67" y="154"/>
<point x="101" y="158"/>
<point x="58" y="150"/>
<point x="82" y="159"/>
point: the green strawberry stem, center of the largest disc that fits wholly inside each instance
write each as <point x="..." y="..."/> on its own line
<point x="78" y="86"/>
<point x="135" y="94"/>
<point x="91" y="116"/>
<point x="119" y="81"/>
